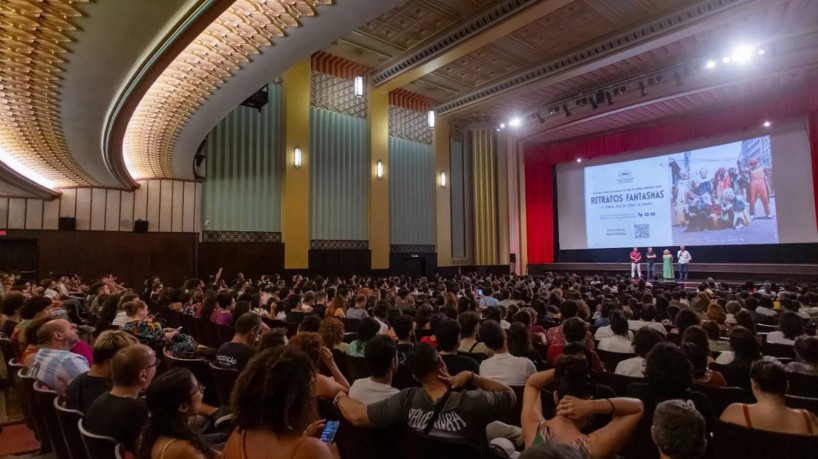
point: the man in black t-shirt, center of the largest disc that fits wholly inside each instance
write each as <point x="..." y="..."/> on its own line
<point x="85" y="388"/>
<point x="237" y="352"/>
<point x="120" y="413"/>
<point x="447" y="333"/>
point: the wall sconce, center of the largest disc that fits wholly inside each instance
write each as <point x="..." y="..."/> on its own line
<point x="297" y="157"/>
<point x="431" y="118"/>
<point x="379" y="170"/>
<point x="443" y="179"/>
<point x="359" y="86"/>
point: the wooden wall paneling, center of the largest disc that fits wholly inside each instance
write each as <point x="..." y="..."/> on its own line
<point x="126" y="205"/>
<point x="83" y="216"/>
<point x="68" y="203"/>
<point x="140" y="202"/>
<point x="113" y="201"/>
<point x="177" y="207"/>
<point x="34" y="214"/>
<point x="17" y="214"/>
<point x="4" y="212"/>
<point x="154" y="197"/>
<point x="165" y="206"/>
<point x="250" y="258"/>
<point x="98" y="202"/>
<point x="197" y="209"/>
<point x="189" y="207"/>
<point x="51" y="214"/>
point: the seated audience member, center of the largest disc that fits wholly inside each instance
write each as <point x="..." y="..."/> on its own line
<point x="54" y="364"/>
<point x="448" y="341"/>
<point x="367" y="329"/>
<point x="698" y="336"/>
<point x="235" y="353"/>
<point x="716" y="314"/>
<point x="402" y="326"/>
<point x="744" y="319"/>
<point x="519" y="341"/>
<point x="806" y="353"/>
<point x="120" y="413"/>
<point x="463" y="416"/>
<point x="273" y="338"/>
<point x="684" y="319"/>
<point x="85" y="388"/>
<point x="30" y="335"/>
<point x="714" y="341"/>
<point x="381" y="355"/>
<point x="146" y="331"/>
<point x="620" y="340"/>
<point x="173" y="399"/>
<point x="358" y="310"/>
<point x="380" y="312"/>
<point x="745" y="350"/>
<point x="643" y="341"/>
<point x="502" y="366"/>
<point x="551" y="451"/>
<point x="121" y="316"/>
<point x="790" y="327"/>
<point x="751" y="306"/>
<point x="223" y="313"/>
<point x="678" y="431"/>
<point x="312" y="345"/>
<point x="273" y="410"/>
<point x="310" y="324"/>
<point x="668" y="376"/>
<point x="433" y="322"/>
<point x="36" y="307"/>
<point x="770" y="412"/>
<point x="554" y="335"/>
<point x="702" y="375"/>
<point x="12" y="305"/>
<point x="647" y="316"/>
<point x="732" y="307"/>
<point x="574" y="332"/>
<point x="469" y="330"/>
<point x="573" y="392"/>
<point x="332" y="332"/>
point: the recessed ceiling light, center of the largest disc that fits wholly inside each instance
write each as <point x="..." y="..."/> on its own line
<point x="767" y="124"/>
<point x="711" y="64"/>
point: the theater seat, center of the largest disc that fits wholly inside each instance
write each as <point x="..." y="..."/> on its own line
<point x="223" y="380"/>
<point x="356" y="366"/>
<point x="731" y="441"/>
<point x="611" y="359"/>
<point x="97" y="446"/>
<point x="67" y="419"/>
<point x="44" y="399"/>
<point x="806" y="403"/>
<point x="25" y="384"/>
<point x="618" y="383"/>
<point x="415" y="445"/>
<point x="802" y="385"/>
<point x="201" y="370"/>
<point x="723" y="397"/>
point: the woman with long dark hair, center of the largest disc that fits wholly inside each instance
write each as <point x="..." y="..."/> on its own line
<point x="173" y="398"/>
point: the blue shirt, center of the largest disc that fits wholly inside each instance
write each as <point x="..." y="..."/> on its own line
<point x="57" y="368"/>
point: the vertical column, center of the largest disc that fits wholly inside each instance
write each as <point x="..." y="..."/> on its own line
<point x="485" y="197"/>
<point x="503" y="149"/>
<point x="379" y="189"/>
<point x="513" y="195"/>
<point x="295" y="199"/>
<point x="522" y="257"/>
<point x="443" y="194"/>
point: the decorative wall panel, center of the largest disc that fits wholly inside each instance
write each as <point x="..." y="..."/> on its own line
<point x="457" y="183"/>
<point x="240" y="236"/>
<point x="245" y="168"/>
<point x="486" y="219"/>
<point x="102" y="209"/>
<point x="411" y="192"/>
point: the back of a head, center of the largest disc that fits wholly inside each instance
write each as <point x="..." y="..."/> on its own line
<point x="422" y="360"/>
<point x="519" y="341"/>
<point x="224" y="299"/>
<point x="310" y="343"/>
<point x="12" y="302"/>
<point x="33" y="306"/>
<point x="769" y="376"/>
<point x="273" y="338"/>
<point x="711" y="329"/>
<point x="492" y="334"/>
<point x="109" y="342"/>
<point x="568" y="309"/>
<point x="403" y="326"/>
<point x="169" y="391"/>
<point x="697" y="336"/>
<point x="806" y="347"/>
<point x="697" y="357"/>
<point x="247" y="322"/>
<point x="791" y="325"/>
<point x="667" y="370"/>
<point x="133" y="307"/>
<point x="310" y="324"/>
<point x="686" y="318"/>
<point x="46" y="332"/>
<point x="619" y="322"/>
<point x="574" y="330"/>
<point x="572" y="377"/>
<point x="447" y="333"/>
<point x="744" y="345"/>
<point x="469" y="321"/>
<point x="128" y="363"/>
<point x="648" y="313"/>
<point x="367" y="329"/>
<point x="679" y="430"/>
<point x="271" y="394"/>
<point x="644" y="339"/>
<point x="379" y="354"/>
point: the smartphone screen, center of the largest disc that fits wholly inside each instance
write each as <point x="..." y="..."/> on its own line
<point x="330" y="429"/>
<point x="479" y="291"/>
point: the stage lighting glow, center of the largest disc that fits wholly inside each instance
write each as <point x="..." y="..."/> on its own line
<point x="742" y="54"/>
<point x="579" y="160"/>
<point x="711" y="64"/>
<point x="515" y="122"/>
<point x="502" y="125"/>
<point x="726" y="59"/>
<point x="24" y="170"/>
<point x="761" y="52"/>
<point x="767" y="124"/>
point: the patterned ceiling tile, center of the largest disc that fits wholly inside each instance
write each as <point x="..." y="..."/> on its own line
<point x="221" y="49"/>
<point x="34" y="41"/>
<point x="480" y="66"/>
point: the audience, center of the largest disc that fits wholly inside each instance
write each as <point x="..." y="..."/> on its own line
<point x="702" y="375"/>
<point x="85" y="388"/>
<point x="448" y="341"/>
<point x="381" y="355"/>
<point x="469" y="329"/>
<point x="573" y="392"/>
<point x="55" y="365"/>
<point x="235" y="354"/>
<point x="332" y="332"/>
<point x="620" y="340"/>
<point x="790" y="327"/>
<point x="574" y="332"/>
<point x="806" y="353"/>
<point x="367" y="329"/>
<point x="643" y="341"/>
<point x="554" y="335"/>
<point x="678" y="431"/>
<point x="274" y="411"/>
<point x="140" y="325"/>
<point x="745" y="349"/>
<point x="358" y="311"/>
<point x="502" y="366"/>
<point x="770" y="412"/>
<point x="313" y="346"/>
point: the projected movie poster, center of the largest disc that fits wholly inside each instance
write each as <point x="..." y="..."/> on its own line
<point x="719" y="195"/>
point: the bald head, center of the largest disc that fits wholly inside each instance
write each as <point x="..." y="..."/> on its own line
<point x="57" y="334"/>
<point x="133" y="365"/>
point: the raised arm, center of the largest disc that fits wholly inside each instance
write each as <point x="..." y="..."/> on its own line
<point x="353" y="410"/>
<point x="531" y="415"/>
<point x="605" y="442"/>
<point x="329" y="361"/>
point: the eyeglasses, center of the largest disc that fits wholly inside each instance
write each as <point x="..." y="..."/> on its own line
<point x="200" y="388"/>
<point x="154" y="364"/>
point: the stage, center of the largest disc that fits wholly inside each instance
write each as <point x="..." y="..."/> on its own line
<point x="728" y="272"/>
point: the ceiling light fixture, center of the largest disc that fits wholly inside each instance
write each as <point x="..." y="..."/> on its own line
<point x="767" y="124"/>
<point x="711" y="64"/>
<point x="379" y="170"/>
<point x="359" y="80"/>
<point x="742" y="54"/>
<point x="579" y="160"/>
<point x="431" y="118"/>
<point x="515" y="122"/>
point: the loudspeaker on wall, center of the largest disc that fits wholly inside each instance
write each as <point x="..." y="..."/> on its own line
<point x="512" y="258"/>
<point x="140" y="226"/>
<point x="67" y="224"/>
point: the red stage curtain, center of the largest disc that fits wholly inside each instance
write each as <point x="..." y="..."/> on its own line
<point x="540" y="160"/>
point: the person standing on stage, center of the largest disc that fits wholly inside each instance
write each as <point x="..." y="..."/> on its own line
<point x="667" y="264"/>
<point x="651" y="256"/>
<point x="636" y="257"/>
<point x="684" y="259"/>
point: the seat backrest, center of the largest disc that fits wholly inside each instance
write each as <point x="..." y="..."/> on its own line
<point x="9" y="353"/>
<point x="734" y="377"/>
<point x="340" y="359"/>
<point x="351" y="325"/>
<point x="416" y="445"/>
<point x="364" y="443"/>
<point x="201" y="370"/>
<point x="224" y="333"/>
<point x="722" y="397"/>
<point x="640" y="444"/>
<point x="67" y="420"/>
<point x="477" y="356"/>
<point x="356" y="366"/>
<point x="611" y="359"/>
<point x="618" y="383"/>
<point x="403" y="378"/>
<point x="806" y="403"/>
<point x="778" y="350"/>
<point x="25" y="384"/>
<point x="513" y="416"/>
<point x="44" y="398"/>
<point x="223" y="379"/>
<point x="97" y="446"/>
<point x="731" y="441"/>
<point x="802" y="385"/>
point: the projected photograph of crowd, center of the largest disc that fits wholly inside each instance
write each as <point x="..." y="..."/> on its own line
<point x="724" y="194"/>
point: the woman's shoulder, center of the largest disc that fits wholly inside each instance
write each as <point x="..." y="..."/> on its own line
<point x="174" y="448"/>
<point x="312" y="448"/>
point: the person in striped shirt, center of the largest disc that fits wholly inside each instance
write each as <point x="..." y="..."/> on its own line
<point x="55" y="365"/>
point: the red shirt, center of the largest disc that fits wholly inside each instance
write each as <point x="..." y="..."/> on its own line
<point x="635" y="256"/>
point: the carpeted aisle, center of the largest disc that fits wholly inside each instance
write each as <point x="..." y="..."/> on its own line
<point x="17" y="439"/>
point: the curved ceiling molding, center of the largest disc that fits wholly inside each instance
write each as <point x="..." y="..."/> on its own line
<point x="34" y="38"/>
<point x="222" y="49"/>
